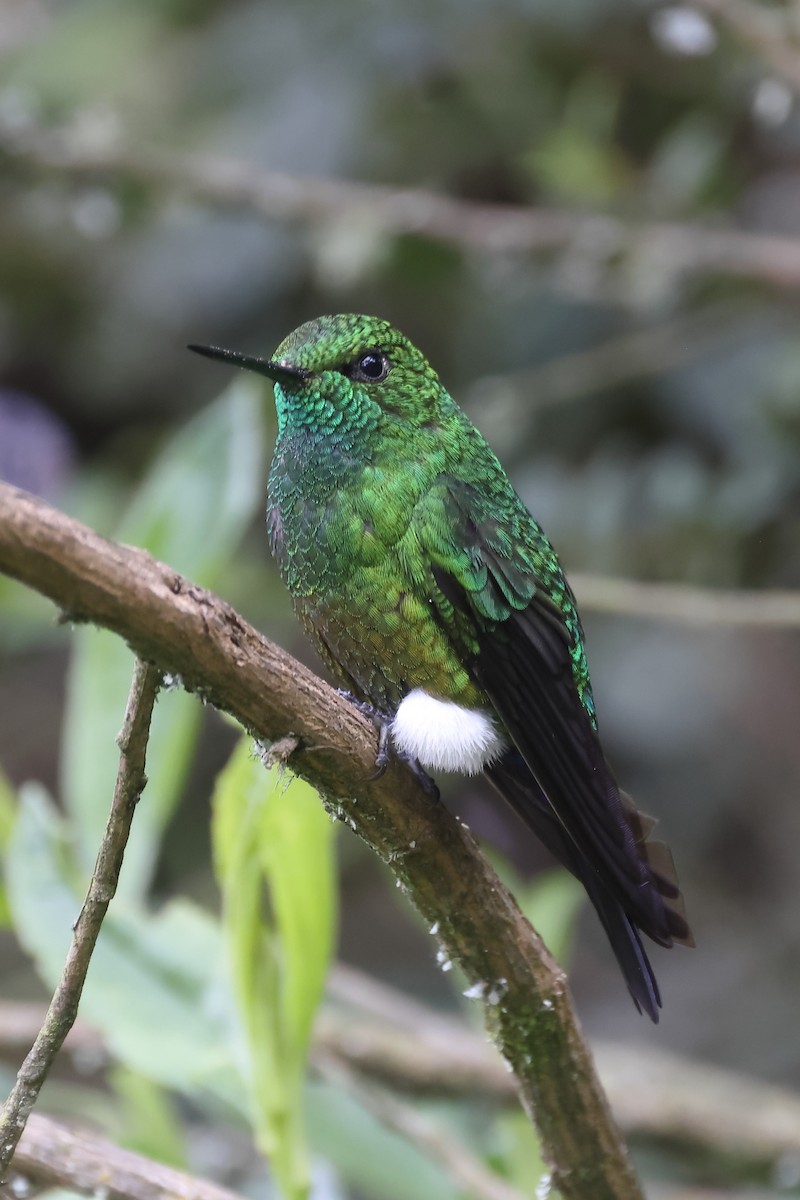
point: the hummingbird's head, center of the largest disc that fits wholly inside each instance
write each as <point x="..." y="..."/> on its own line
<point x="348" y="367"/>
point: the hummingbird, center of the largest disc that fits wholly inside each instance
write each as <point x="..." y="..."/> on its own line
<point x="438" y="602"/>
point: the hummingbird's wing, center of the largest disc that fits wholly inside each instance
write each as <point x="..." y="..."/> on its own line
<point x="496" y="586"/>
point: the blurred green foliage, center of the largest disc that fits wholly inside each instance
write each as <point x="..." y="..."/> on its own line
<point x="679" y="462"/>
<point x="273" y="849"/>
<point x="190" y="511"/>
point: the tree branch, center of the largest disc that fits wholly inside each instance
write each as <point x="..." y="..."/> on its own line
<point x="773" y="609"/>
<point x="52" y="1155"/>
<point x="193" y="634"/>
<point x="763" y="30"/>
<point x="724" y="1115"/>
<point x="512" y="401"/>
<point x="63" y="1009"/>
<point x="603" y="239"/>
<point x="747" y="1125"/>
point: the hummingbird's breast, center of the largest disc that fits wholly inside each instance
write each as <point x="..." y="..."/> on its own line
<point x="346" y="548"/>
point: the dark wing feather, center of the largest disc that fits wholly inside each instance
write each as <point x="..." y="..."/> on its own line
<point x="512" y="779"/>
<point x="499" y="591"/>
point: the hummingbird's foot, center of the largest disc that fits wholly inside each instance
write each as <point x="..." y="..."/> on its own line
<point x="384" y="746"/>
<point x="383" y="724"/>
<point x="420" y="774"/>
<point x="364" y="707"/>
<point x="385" y="750"/>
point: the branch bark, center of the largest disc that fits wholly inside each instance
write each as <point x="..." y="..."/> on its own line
<point x="63" y="1008"/>
<point x="191" y="633"/>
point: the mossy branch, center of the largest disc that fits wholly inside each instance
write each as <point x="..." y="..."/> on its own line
<point x="187" y="631"/>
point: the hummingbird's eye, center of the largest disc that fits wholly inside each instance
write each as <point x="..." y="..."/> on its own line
<point x="371" y="367"/>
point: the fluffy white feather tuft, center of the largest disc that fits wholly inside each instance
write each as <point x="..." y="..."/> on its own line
<point x="444" y="736"/>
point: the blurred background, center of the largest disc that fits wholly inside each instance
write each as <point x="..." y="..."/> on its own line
<point x="175" y="171"/>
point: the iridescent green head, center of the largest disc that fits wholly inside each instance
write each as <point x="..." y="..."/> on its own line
<point x="349" y="369"/>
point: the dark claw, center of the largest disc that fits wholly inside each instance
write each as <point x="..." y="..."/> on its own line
<point x="384" y="751"/>
<point x="383" y="725"/>
<point x="421" y="775"/>
<point x="381" y="722"/>
<point x="364" y="707"/>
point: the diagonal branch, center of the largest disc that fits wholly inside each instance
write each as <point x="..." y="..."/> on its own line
<point x="52" y="1155"/>
<point x="189" y="632"/>
<point x="600" y="238"/>
<point x="63" y="1009"/>
<point x="687" y="605"/>
<point x="763" y="30"/>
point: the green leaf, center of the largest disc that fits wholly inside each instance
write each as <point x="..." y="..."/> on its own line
<point x="148" y="1122"/>
<point x="155" y="988"/>
<point x="373" y="1160"/>
<point x="274" y="855"/>
<point x="191" y="511"/>
<point x="552" y="904"/>
<point x="8" y="810"/>
<point x="520" y="1155"/>
<point x="8" y="814"/>
<point x="26" y="618"/>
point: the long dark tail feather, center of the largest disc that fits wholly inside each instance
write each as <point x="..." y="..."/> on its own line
<point x="623" y="937"/>
<point x="511" y="777"/>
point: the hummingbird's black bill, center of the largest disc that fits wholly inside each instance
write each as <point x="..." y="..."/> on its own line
<point x="276" y="371"/>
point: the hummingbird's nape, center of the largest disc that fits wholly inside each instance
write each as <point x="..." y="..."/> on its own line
<point x="438" y="602"/>
<point x="278" y="372"/>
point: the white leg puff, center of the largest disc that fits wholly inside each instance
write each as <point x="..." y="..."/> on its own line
<point x="444" y="736"/>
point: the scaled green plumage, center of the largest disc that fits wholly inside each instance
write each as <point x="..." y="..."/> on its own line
<point x="372" y="483"/>
<point x="414" y="565"/>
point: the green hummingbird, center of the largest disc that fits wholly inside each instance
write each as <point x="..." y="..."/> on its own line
<point x="437" y="600"/>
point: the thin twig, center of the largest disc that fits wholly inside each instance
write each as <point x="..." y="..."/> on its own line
<point x="350" y="986"/>
<point x="602" y="240"/>
<point x="191" y="633"/>
<point x="467" y="1171"/>
<point x="686" y="605"/>
<point x="52" y="1155"/>
<point x="762" y="30"/>
<point x="63" y="1009"/>
<point x="514" y="397"/>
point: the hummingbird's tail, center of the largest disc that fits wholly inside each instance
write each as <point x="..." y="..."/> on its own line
<point x="512" y="778"/>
